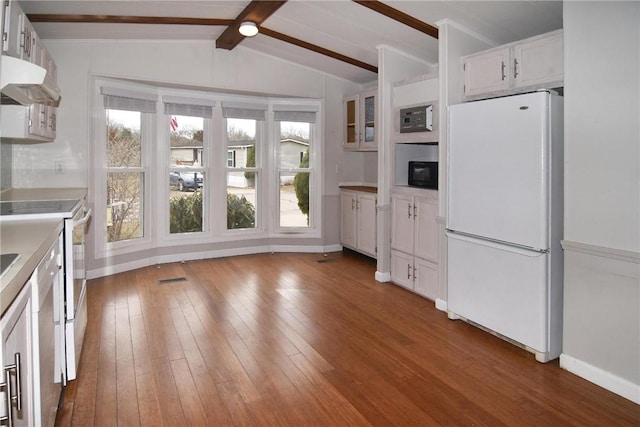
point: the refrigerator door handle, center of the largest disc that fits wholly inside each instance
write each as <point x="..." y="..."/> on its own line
<point x="495" y="244"/>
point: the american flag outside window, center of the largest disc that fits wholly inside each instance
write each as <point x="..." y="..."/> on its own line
<point x="174" y="123"/>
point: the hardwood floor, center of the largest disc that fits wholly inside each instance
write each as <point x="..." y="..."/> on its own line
<point x="306" y="340"/>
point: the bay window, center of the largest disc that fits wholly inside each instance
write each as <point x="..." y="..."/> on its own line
<point x="171" y="163"/>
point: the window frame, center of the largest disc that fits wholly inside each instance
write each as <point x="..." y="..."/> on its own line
<point x="260" y="208"/>
<point x="103" y="248"/>
<point x="156" y="165"/>
<point x="314" y="228"/>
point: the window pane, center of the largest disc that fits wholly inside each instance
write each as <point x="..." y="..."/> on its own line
<point x="123" y="138"/>
<point x="294" y="199"/>
<point x="186" y="140"/>
<point x="241" y="143"/>
<point x="185" y="206"/>
<point x="241" y="200"/>
<point x="294" y="143"/>
<point x="124" y="206"/>
<point x="186" y="178"/>
<point x="241" y="183"/>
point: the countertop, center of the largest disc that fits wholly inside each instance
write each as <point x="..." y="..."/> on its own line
<point x="31" y="240"/>
<point x="13" y="194"/>
<point x="363" y="188"/>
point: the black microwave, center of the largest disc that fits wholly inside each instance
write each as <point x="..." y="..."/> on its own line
<point x="423" y="174"/>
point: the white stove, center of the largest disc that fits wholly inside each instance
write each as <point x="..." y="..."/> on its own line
<point x="71" y="324"/>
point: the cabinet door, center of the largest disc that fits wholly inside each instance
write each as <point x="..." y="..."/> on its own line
<point x="402" y="269"/>
<point x="426" y="232"/>
<point x="425" y="278"/>
<point x="402" y="223"/>
<point x="12" y="36"/>
<point x="351" y="130"/>
<point x="539" y="61"/>
<point x="28" y="35"/>
<point x="367" y="122"/>
<point x="37" y="51"/>
<point x="15" y="330"/>
<point x="52" y="121"/>
<point x="486" y="72"/>
<point x="348" y="224"/>
<point x="366" y="235"/>
<point x="38" y="120"/>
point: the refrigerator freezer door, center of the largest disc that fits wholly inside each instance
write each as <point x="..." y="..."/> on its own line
<point x="498" y="169"/>
<point x="502" y="288"/>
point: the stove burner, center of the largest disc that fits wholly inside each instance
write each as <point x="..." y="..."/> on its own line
<point x="27" y="207"/>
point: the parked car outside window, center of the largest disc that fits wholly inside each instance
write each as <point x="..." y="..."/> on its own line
<point x="185" y="181"/>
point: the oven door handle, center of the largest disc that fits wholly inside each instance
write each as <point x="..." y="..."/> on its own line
<point x="84" y="219"/>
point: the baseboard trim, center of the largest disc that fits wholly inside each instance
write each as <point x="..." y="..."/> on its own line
<point x="602" y="378"/>
<point x="165" y="259"/>
<point x="383" y="277"/>
<point x="441" y="304"/>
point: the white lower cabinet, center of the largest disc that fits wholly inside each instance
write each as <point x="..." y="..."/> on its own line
<point x="358" y="227"/>
<point x="16" y="393"/>
<point x="414" y="242"/>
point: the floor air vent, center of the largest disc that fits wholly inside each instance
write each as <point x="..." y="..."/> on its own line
<point x="171" y="280"/>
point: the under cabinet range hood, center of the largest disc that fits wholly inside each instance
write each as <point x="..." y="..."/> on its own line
<point x="26" y="83"/>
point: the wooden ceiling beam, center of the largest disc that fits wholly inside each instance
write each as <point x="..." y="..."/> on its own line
<point x="317" y="49"/>
<point x="112" y="19"/>
<point x="257" y="12"/>
<point x="231" y="24"/>
<point x="399" y="16"/>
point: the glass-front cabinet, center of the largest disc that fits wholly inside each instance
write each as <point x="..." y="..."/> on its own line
<point x="360" y="118"/>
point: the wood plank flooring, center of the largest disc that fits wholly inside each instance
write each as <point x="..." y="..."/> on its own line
<point x="286" y="340"/>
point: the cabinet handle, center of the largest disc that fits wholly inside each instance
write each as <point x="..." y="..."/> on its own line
<point x="515" y="68"/>
<point x="357" y="205"/>
<point x="408" y="271"/>
<point x="409" y="211"/>
<point x="43" y="120"/>
<point x="504" y="76"/>
<point x="18" y="397"/>
<point x="415" y="211"/>
<point x="353" y="204"/>
<point x="414" y="274"/>
<point x="7" y="384"/>
<point x="26" y="43"/>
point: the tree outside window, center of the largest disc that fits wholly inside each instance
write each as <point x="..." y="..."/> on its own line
<point x="125" y="180"/>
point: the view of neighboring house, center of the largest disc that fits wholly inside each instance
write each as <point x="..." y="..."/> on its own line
<point x="185" y="151"/>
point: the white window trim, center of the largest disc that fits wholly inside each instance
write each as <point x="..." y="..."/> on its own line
<point x="260" y="205"/>
<point x="156" y="169"/>
<point x="315" y="180"/>
<point x="102" y="248"/>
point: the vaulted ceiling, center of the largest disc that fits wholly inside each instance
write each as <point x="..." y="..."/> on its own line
<point x="338" y="37"/>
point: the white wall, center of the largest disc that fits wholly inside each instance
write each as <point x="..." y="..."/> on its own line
<point x="602" y="110"/>
<point x="602" y="194"/>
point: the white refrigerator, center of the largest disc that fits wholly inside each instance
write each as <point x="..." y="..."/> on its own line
<point x="505" y="218"/>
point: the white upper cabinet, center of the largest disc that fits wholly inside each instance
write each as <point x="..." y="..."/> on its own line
<point x="360" y="121"/>
<point x="487" y="72"/>
<point x="13" y="37"/>
<point x="533" y="63"/>
<point x="539" y="61"/>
